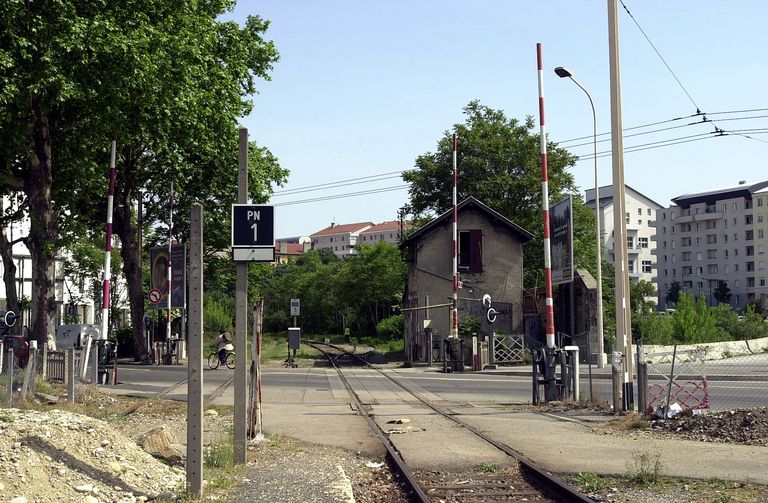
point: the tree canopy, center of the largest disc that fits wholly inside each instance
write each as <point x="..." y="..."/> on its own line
<point x="499" y="164"/>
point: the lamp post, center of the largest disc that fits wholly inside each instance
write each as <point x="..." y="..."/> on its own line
<point x="563" y="72"/>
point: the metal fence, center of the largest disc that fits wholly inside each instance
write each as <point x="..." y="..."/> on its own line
<point x="715" y="376"/>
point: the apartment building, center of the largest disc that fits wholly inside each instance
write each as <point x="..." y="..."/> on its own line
<point x="640" y="214"/>
<point x="717" y="235"/>
<point x="340" y="238"/>
<point x="388" y="232"/>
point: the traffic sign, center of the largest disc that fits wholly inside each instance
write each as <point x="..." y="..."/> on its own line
<point x="155" y="295"/>
<point x="295" y="307"/>
<point x="253" y="226"/>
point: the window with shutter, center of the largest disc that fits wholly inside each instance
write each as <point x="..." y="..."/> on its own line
<point x="470" y="252"/>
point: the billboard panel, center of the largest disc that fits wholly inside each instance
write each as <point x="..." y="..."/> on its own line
<point x="158" y="257"/>
<point x="561" y="241"/>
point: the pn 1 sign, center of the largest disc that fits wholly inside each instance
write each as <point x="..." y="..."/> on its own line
<point x="253" y="226"/>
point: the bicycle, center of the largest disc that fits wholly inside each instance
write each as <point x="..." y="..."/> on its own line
<point x="214" y="361"/>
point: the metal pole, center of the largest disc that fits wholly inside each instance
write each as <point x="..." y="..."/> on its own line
<point x="550" y="390"/>
<point x="241" y="321"/>
<point x="455" y="307"/>
<point x="598" y="232"/>
<point x="623" y="321"/>
<point x="195" y="352"/>
<point x="170" y="264"/>
<point x="107" y="259"/>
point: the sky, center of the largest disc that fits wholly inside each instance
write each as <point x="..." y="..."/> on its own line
<point x="364" y="87"/>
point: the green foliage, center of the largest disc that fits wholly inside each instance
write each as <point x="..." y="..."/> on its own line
<point x="218" y="312"/>
<point x="653" y="328"/>
<point x="693" y="322"/>
<point x="392" y="327"/>
<point x="645" y="468"/>
<point x="722" y="293"/>
<point x="486" y="468"/>
<point x="469" y="325"/>
<point x="591" y="482"/>
<point x="356" y="293"/>
<point x="673" y="294"/>
<point x="499" y="164"/>
<point x="124" y="339"/>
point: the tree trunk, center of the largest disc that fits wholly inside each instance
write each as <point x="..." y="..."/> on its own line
<point x="43" y="232"/>
<point x="9" y="274"/>
<point x="129" y="250"/>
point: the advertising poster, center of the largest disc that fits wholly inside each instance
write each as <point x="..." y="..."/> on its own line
<point x="561" y="241"/>
<point x="158" y="257"/>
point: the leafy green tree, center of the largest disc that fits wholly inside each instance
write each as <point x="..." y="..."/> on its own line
<point x="638" y="292"/>
<point x="75" y="74"/>
<point x="693" y="322"/>
<point x="722" y="293"/>
<point x="499" y="163"/>
<point x="673" y="293"/>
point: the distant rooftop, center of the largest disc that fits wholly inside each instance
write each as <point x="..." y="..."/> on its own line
<point x="742" y="189"/>
<point x="390" y="225"/>
<point x="343" y="228"/>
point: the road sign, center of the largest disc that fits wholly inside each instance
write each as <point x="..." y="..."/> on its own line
<point x="155" y="295"/>
<point x="253" y="226"/>
<point x="295" y="307"/>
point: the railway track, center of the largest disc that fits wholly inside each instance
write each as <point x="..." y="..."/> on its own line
<point x="521" y="481"/>
<point x="210" y="398"/>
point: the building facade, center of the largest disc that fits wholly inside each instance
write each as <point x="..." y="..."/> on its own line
<point x="640" y="214"/>
<point x="388" y="232"/>
<point x="340" y="238"/>
<point x="718" y="235"/>
<point x="489" y="260"/>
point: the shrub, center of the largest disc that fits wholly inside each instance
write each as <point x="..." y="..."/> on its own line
<point x="125" y="343"/>
<point x="392" y="327"/>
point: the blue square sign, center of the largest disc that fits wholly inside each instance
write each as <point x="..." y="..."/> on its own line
<point x="253" y="226"/>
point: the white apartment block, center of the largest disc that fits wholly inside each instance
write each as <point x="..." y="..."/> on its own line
<point x="640" y="214"/>
<point x="388" y="232"/>
<point x="340" y="238"/>
<point x="718" y="235"/>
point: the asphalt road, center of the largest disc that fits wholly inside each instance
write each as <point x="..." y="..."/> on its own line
<point x="468" y="387"/>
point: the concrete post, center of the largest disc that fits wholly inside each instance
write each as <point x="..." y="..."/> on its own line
<point x="239" y="449"/>
<point x="10" y="378"/>
<point x="69" y="374"/>
<point x="195" y="362"/>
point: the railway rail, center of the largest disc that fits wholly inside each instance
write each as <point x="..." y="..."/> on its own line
<point x="524" y="481"/>
<point x="211" y="397"/>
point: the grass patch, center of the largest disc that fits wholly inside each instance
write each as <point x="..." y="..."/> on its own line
<point x="589" y="481"/>
<point x="644" y="469"/>
<point x="486" y="468"/>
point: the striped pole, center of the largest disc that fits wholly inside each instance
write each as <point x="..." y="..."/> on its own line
<point x="454" y="304"/>
<point x="107" y="259"/>
<point x="549" y="310"/>
<point x="170" y="263"/>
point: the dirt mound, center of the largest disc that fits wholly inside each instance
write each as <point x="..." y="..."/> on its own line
<point x="63" y="456"/>
<point x="743" y="426"/>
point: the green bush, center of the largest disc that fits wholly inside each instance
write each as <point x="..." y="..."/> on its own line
<point x="125" y="343"/>
<point x="218" y="313"/>
<point x="653" y="328"/>
<point x="392" y="327"/>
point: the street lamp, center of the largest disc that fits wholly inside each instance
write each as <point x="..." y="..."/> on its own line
<point x="563" y="72"/>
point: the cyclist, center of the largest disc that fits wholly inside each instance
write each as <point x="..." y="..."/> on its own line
<point x="224" y="345"/>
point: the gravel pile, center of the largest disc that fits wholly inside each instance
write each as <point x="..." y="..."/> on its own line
<point x="744" y="426"/>
<point x="60" y="456"/>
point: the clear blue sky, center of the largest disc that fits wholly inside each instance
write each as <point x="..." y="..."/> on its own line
<point x="364" y="87"/>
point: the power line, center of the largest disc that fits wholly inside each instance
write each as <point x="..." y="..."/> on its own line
<point x="343" y="182"/>
<point x="660" y="56"/>
<point x="339" y="196"/>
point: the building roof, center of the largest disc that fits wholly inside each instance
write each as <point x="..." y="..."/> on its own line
<point x="390" y="225"/>
<point x="606" y="196"/>
<point x="743" y="189"/>
<point x="342" y="229"/>
<point x="469" y="203"/>
<point x="290" y="248"/>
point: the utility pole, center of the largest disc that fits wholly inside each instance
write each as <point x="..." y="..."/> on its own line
<point x="620" y="261"/>
<point x="239" y="449"/>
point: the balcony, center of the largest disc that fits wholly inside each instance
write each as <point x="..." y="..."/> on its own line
<point x="682" y="219"/>
<point x="716" y="215"/>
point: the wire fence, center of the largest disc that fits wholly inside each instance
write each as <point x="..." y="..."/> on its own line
<point x="22" y="369"/>
<point x="716" y="376"/>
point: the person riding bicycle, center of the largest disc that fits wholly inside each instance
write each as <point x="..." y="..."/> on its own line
<point x="224" y="345"/>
